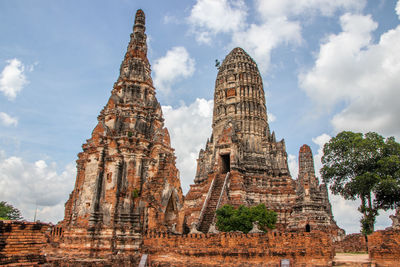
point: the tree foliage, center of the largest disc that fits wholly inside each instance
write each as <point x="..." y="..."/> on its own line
<point x="8" y="212"/>
<point x="365" y="167"/>
<point x="241" y="219"/>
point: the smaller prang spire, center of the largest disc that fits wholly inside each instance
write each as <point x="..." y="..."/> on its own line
<point x="306" y="166"/>
<point x="140" y="22"/>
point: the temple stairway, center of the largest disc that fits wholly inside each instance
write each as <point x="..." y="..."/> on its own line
<point x="211" y="207"/>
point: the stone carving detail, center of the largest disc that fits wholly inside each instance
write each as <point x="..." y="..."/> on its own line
<point x="255" y="229"/>
<point x="213" y="229"/>
<point x="193" y="229"/>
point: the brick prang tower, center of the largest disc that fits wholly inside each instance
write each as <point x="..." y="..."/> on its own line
<point x="242" y="162"/>
<point x="127" y="182"/>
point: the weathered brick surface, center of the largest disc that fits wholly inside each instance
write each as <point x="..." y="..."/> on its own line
<point x="384" y="248"/>
<point x="351" y="243"/>
<point x="21" y="243"/>
<point x="236" y="249"/>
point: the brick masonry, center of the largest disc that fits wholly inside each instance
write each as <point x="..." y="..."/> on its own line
<point x="353" y="243"/>
<point x="237" y="249"/>
<point x="22" y="243"/>
<point x="384" y="248"/>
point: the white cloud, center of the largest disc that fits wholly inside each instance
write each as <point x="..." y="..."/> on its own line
<point x="209" y="17"/>
<point x="271" y="117"/>
<point x="398" y="8"/>
<point x="272" y="8"/>
<point x="176" y="64"/>
<point x="320" y="141"/>
<point x="171" y="19"/>
<point x="189" y="127"/>
<point x="12" y="78"/>
<point x="24" y="184"/>
<point x="352" y="70"/>
<point x="259" y="40"/>
<point x="280" y="22"/>
<point x="293" y="166"/>
<point x="7" y="120"/>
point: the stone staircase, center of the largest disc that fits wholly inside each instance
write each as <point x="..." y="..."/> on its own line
<point x="209" y="212"/>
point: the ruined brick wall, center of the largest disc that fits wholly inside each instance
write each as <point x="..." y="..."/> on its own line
<point x="234" y="249"/>
<point x="351" y="243"/>
<point x="21" y="243"/>
<point x="384" y="247"/>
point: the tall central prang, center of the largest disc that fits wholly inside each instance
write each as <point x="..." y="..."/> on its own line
<point x="239" y="107"/>
<point x="242" y="162"/>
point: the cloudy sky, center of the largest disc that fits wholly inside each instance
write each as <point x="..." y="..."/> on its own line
<point x="327" y="66"/>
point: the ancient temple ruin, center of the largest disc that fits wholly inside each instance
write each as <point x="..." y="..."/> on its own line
<point x="127" y="182"/>
<point x="127" y="200"/>
<point x="243" y="164"/>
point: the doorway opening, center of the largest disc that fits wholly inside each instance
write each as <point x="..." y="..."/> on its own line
<point x="170" y="211"/>
<point x="308" y="228"/>
<point x="226" y="163"/>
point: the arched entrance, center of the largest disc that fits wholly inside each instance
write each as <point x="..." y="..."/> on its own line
<point x="171" y="212"/>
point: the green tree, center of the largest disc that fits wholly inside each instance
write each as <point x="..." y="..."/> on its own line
<point x="241" y="219"/>
<point x="365" y="167"/>
<point x="8" y="212"/>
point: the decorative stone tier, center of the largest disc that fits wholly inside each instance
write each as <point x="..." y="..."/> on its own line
<point x="21" y="243"/>
<point x="236" y="249"/>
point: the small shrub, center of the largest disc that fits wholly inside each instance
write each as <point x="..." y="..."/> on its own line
<point x="135" y="193"/>
<point x="241" y="219"/>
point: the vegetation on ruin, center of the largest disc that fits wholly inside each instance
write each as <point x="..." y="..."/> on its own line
<point x="135" y="193"/>
<point x="364" y="166"/>
<point x="8" y="212"/>
<point x="241" y="219"/>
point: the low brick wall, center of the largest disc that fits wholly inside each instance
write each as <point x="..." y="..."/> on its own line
<point x="384" y="248"/>
<point x="21" y="243"/>
<point x="100" y="247"/>
<point x="236" y="249"/>
<point x="351" y="243"/>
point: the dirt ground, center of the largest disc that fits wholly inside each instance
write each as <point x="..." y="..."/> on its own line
<point x="346" y="258"/>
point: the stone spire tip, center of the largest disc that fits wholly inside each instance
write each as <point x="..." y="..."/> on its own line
<point x="305" y="148"/>
<point x="140" y="19"/>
